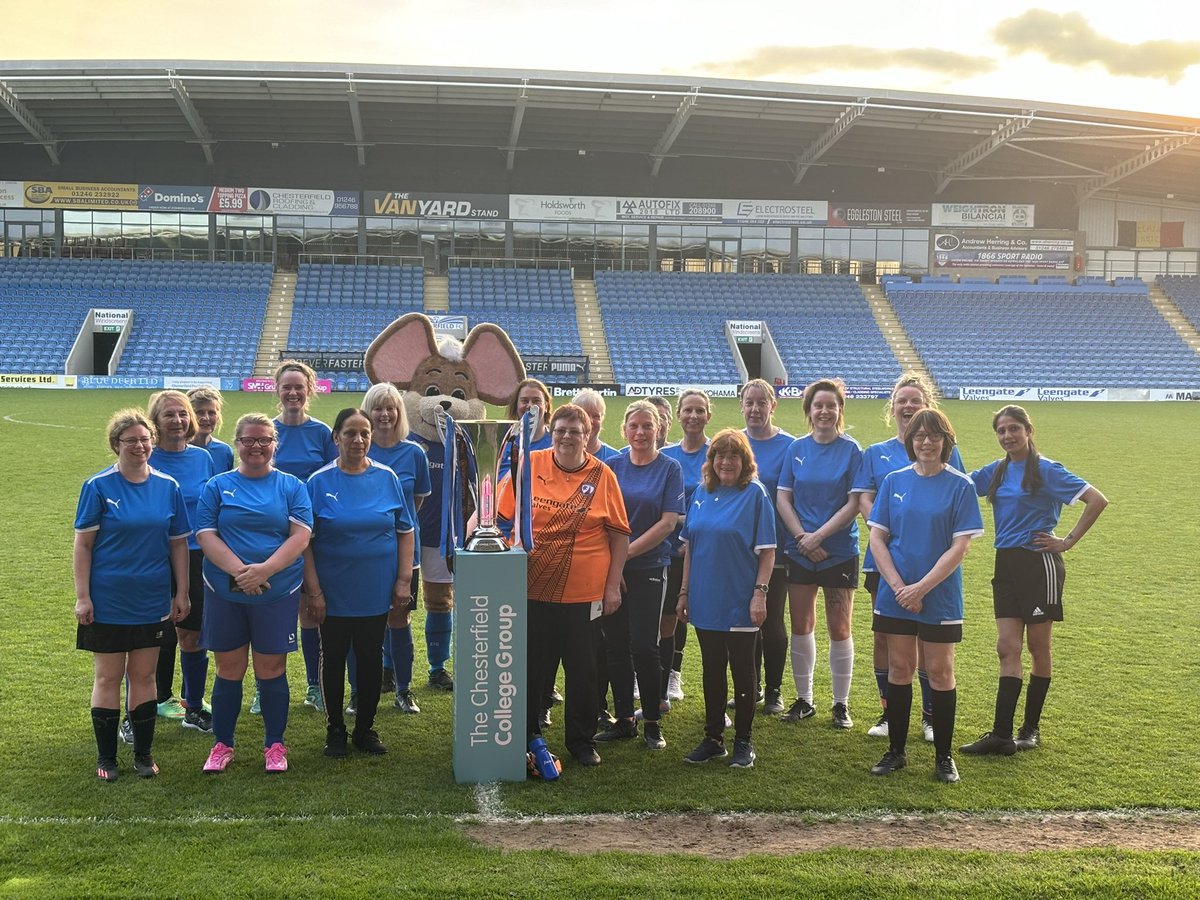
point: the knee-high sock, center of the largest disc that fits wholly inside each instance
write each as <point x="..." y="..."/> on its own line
<point x="881" y="682"/>
<point x="194" y="666"/>
<point x="1007" y="695"/>
<point x="164" y="674"/>
<point x="273" y="694"/>
<point x="402" y="655"/>
<point x="141" y="718"/>
<point x="944" y="704"/>
<point x="681" y="631"/>
<point x="226" y="704"/>
<point x="804" y="659"/>
<point x="104" y="723"/>
<point x="310" y="646"/>
<point x="841" y="668"/>
<point x="899" y="710"/>
<point x="437" y="638"/>
<point x="352" y="668"/>
<point x="926" y="694"/>
<point x="1035" y="699"/>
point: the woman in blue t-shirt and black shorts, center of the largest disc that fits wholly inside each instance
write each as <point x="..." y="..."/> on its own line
<point x="1027" y="493"/>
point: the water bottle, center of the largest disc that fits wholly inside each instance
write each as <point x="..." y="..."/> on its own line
<point x="547" y="766"/>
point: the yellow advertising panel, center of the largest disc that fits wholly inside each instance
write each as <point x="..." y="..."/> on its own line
<point x="80" y="195"/>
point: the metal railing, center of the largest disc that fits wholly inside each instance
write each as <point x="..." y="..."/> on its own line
<point x="359" y="259"/>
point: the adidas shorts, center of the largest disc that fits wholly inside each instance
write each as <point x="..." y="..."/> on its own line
<point x="1028" y="585"/>
<point x="843" y="575"/>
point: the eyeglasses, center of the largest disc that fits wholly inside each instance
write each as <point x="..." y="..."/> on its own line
<point x="568" y="432"/>
<point x="133" y="442"/>
<point x="256" y="442"/>
<point x="921" y="437"/>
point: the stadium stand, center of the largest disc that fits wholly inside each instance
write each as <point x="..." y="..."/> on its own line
<point x="1090" y="335"/>
<point x="672" y="325"/>
<point x="189" y="318"/>
<point x="1184" y="291"/>
<point x="535" y="306"/>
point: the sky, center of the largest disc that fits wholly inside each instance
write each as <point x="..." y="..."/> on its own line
<point x="1141" y="56"/>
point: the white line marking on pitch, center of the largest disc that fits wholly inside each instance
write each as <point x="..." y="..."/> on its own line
<point x="488" y="802"/>
<point x="46" y="424"/>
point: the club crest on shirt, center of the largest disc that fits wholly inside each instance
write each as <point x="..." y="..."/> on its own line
<point x="587" y="488"/>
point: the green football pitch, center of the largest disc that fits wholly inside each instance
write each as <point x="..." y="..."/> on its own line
<point x="1120" y="729"/>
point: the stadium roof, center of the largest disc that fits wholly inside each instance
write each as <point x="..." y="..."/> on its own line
<point x="950" y="139"/>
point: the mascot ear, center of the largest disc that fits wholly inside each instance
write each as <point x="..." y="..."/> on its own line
<point x="495" y="363"/>
<point x="399" y="349"/>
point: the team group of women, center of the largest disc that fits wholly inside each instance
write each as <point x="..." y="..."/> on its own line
<point x="724" y="533"/>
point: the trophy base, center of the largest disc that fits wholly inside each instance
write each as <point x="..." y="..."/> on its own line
<point x="486" y="540"/>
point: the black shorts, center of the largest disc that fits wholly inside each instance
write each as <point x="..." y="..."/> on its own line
<point x="101" y="638"/>
<point x="1028" y="585"/>
<point x="195" y="617"/>
<point x="930" y="634"/>
<point x="843" y="575"/>
<point x="871" y="583"/>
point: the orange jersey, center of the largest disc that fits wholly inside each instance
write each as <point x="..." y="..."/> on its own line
<point x="573" y="514"/>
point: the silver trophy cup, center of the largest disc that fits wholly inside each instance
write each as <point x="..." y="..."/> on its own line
<point x="487" y="437"/>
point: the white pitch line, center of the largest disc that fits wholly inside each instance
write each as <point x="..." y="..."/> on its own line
<point x="46" y="424"/>
<point x="488" y="802"/>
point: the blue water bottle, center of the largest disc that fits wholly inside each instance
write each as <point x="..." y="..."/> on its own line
<point x="547" y="766"/>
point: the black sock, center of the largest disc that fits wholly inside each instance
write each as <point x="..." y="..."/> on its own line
<point x="104" y="723"/>
<point x="944" y="705"/>
<point x="899" y="710"/>
<point x="141" y="719"/>
<point x="164" y="674"/>
<point x="1035" y="699"/>
<point x="680" y="640"/>
<point x="1007" y="695"/>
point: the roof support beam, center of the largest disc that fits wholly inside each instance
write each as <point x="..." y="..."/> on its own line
<point x="30" y="122"/>
<point x="1000" y="136"/>
<point x="356" y="120"/>
<point x="674" y="128"/>
<point x="1152" y="154"/>
<point x="514" y="130"/>
<point x="834" y="133"/>
<point x="188" y="108"/>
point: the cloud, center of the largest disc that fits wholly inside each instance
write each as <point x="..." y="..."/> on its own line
<point x="801" y="60"/>
<point x="1070" y="40"/>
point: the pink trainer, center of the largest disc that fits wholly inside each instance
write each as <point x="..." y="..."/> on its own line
<point x="220" y="757"/>
<point x="276" y="757"/>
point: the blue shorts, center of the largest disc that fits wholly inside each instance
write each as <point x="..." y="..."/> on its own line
<point x="267" y="627"/>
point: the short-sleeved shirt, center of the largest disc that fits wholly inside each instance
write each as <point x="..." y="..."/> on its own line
<point x="356" y="518"/>
<point x="881" y="459"/>
<point x="429" y="516"/>
<point x="304" y="448"/>
<point x="649" y="491"/>
<point x="923" y="516"/>
<point x="818" y="477"/>
<point x="411" y="466"/>
<point x="692" y="465"/>
<point x="725" y="530"/>
<point x="769" y="457"/>
<point x="221" y="453"/>
<point x="1017" y="514"/>
<point x="605" y="452"/>
<point x="253" y="516"/>
<point x="191" y="467"/>
<point x="573" y="515"/>
<point x="131" y="581"/>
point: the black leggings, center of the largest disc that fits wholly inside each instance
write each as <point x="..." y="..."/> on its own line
<point x="564" y="631"/>
<point x="338" y="635"/>
<point x="732" y="650"/>
<point x="631" y="640"/>
<point x="770" y="652"/>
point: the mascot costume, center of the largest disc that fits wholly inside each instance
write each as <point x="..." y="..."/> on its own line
<point x="435" y="377"/>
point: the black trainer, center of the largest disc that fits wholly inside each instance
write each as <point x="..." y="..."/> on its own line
<point x="991" y="744"/>
<point x="368" y="742"/>
<point x="709" y="748"/>
<point x="441" y="679"/>
<point x="197" y="719"/>
<point x="605" y="720"/>
<point x="947" y="771"/>
<point x="1028" y="738"/>
<point x="621" y="730"/>
<point x="335" y="743"/>
<point x="892" y="761"/>
<point x="106" y="769"/>
<point x="841" y="716"/>
<point x="743" y="755"/>
<point x="144" y="765"/>
<point x="389" y="681"/>
<point x="588" y="757"/>
<point x="801" y="709"/>
<point x="654" y="738"/>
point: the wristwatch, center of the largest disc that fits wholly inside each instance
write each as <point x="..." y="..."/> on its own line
<point x="762" y="587"/>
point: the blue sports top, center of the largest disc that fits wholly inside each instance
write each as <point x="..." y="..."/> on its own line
<point x="541" y="443"/>
<point x="130" y="581"/>
<point x="725" y="530"/>
<point x="1017" y="515"/>
<point x="303" y="448"/>
<point x="253" y="516"/>
<point x="878" y="461"/>
<point x="191" y="467"/>
<point x="769" y="456"/>
<point x="649" y="491"/>
<point x="605" y="452"/>
<point x="691" y="464"/>
<point x="429" y="516"/>
<point x="411" y="466"/>
<point x="355" y="522"/>
<point x="818" y="477"/>
<point x="922" y="516"/>
<point x="222" y="455"/>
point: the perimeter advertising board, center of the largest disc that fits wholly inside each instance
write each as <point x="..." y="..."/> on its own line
<point x="983" y="215"/>
<point x="415" y="204"/>
<point x="994" y="250"/>
<point x="562" y="208"/>
<point x="80" y="195"/>
<point x="879" y="216"/>
<point x="12" y="194"/>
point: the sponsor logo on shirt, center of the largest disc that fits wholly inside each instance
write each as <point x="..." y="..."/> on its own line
<point x="334" y="496"/>
<point x="116" y="503"/>
<point x="900" y="497"/>
<point x="230" y="493"/>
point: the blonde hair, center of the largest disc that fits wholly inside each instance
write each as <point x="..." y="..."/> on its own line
<point x="643" y="406"/>
<point x="692" y="392"/>
<point x="910" y="379"/>
<point x="294" y="365"/>
<point x="159" y="400"/>
<point x="127" y="418"/>
<point x="834" y="386"/>
<point x="211" y="395"/>
<point x="379" y="394"/>
<point x="254" y="418"/>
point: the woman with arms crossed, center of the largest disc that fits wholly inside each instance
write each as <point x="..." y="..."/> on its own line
<point x="922" y="523"/>
<point x="1027" y="493"/>
<point x="130" y="564"/>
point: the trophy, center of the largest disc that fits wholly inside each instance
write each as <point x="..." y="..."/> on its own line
<point x="487" y="438"/>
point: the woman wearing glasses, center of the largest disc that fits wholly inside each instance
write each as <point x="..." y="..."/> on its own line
<point x="253" y="524"/>
<point x="923" y="520"/>
<point x="130" y="564"/>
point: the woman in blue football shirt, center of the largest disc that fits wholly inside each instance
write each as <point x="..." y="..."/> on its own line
<point x="924" y="519"/>
<point x="818" y="510"/>
<point x="729" y="551"/>
<point x="253" y="525"/>
<point x="130" y="565"/>
<point x="1027" y="493"/>
<point x="357" y="568"/>
<point x="207" y="402"/>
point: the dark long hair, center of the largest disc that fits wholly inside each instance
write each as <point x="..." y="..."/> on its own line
<point x="1031" y="483"/>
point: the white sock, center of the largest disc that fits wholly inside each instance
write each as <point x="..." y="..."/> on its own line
<point x="841" y="668"/>
<point x="804" y="660"/>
